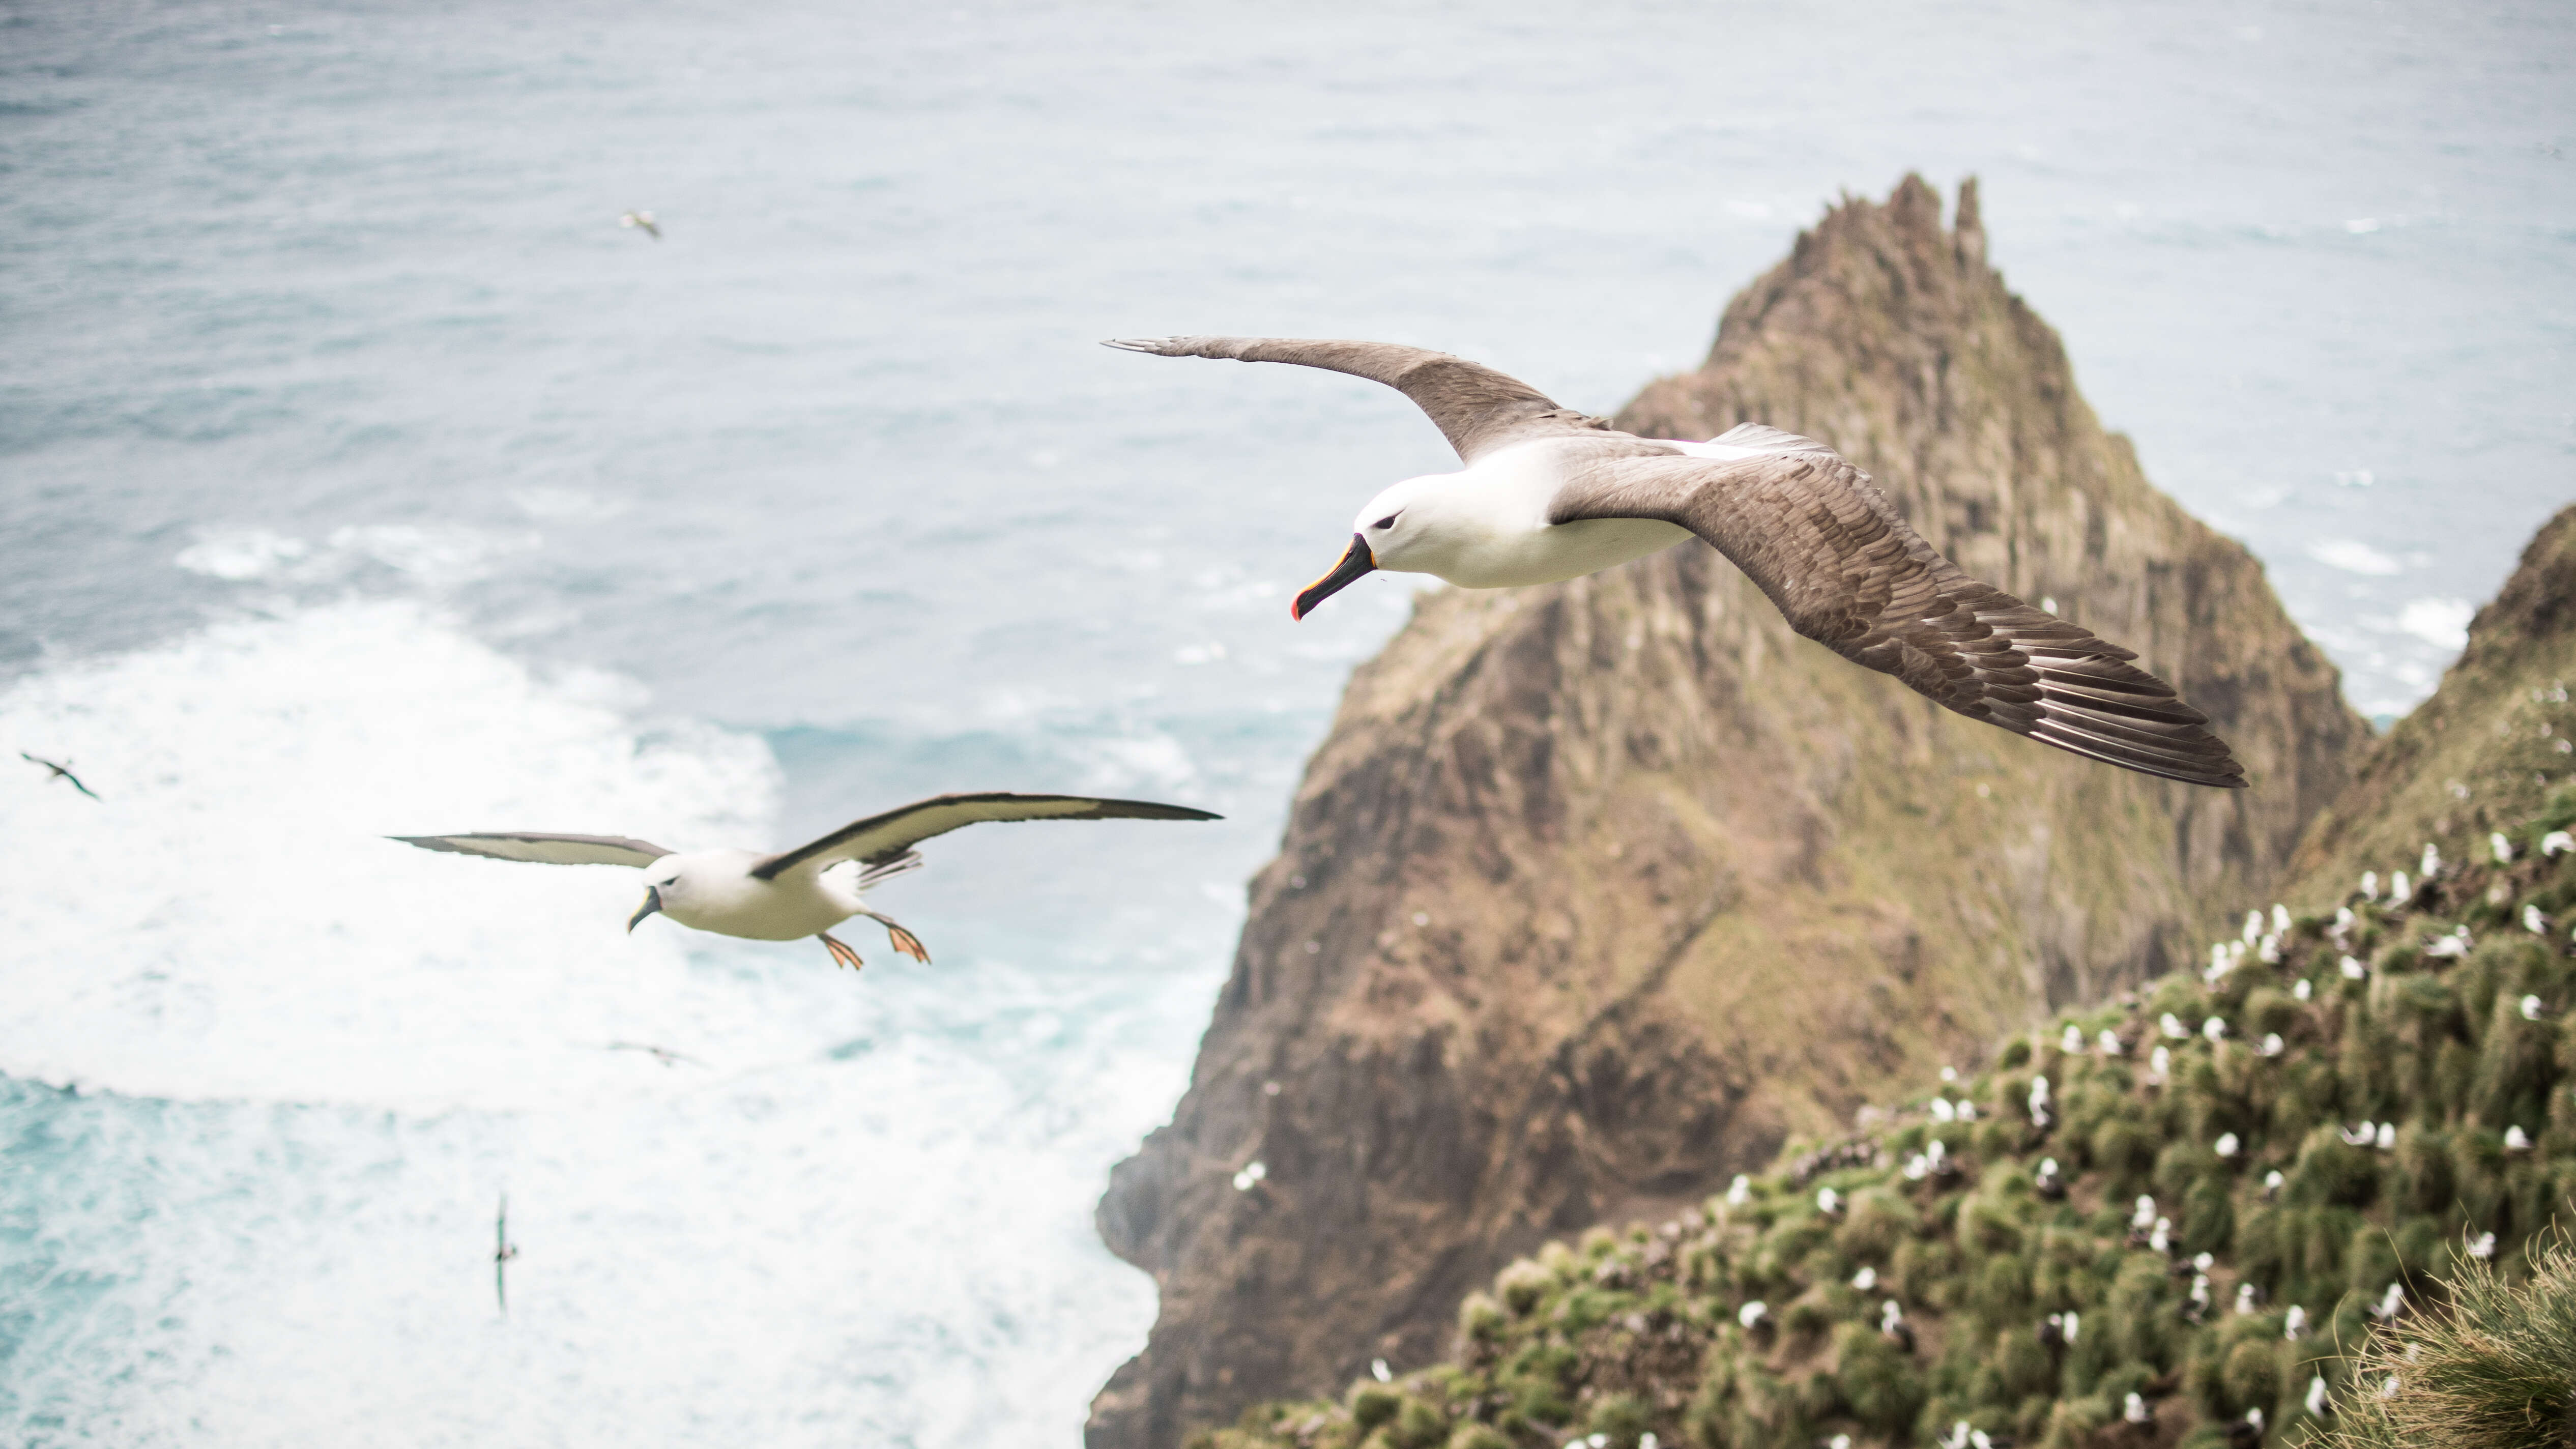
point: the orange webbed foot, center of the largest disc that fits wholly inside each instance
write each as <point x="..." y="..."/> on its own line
<point x="842" y="955"/>
<point x="902" y="940"/>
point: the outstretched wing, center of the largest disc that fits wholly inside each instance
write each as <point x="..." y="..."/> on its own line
<point x="1819" y="538"/>
<point x="543" y="848"/>
<point x="1476" y="408"/>
<point x="885" y="837"/>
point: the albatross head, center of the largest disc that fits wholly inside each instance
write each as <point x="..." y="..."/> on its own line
<point x="1403" y="530"/>
<point x="666" y="889"/>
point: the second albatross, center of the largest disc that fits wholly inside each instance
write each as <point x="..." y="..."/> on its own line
<point x="794" y="893"/>
<point x="1549" y="493"/>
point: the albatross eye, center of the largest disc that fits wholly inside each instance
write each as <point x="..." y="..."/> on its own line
<point x="1389" y="520"/>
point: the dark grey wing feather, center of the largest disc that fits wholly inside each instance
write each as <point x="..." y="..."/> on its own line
<point x="887" y="837"/>
<point x="1476" y="408"/>
<point x="1819" y="538"/>
<point x="542" y="847"/>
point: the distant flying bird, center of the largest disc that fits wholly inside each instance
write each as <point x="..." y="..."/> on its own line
<point x="62" y="771"/>
<point x="1549" y="494"/>
<point x="642" y="220"/>
<point x="790" y="895"/>
<point x="503" y="1250"/>
<point x="664" y="1055"/>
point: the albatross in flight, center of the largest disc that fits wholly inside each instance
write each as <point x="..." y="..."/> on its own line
<point x="62" y="771"/>
<point x="1550" y="494"/>
<point x="793" y="894"/>
<point x="503" y="1250"/>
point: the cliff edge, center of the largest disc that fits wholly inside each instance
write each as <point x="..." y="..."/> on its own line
<point x="1597" y="891"/>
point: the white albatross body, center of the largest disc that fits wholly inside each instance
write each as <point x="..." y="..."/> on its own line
<point x="793" y="894"/>
<point x="714" y="890"/>
<point x="1486" y="526"/>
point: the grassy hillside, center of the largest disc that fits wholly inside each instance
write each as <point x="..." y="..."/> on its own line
<point x="2334" y="1108"/>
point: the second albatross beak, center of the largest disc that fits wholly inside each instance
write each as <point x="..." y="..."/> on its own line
<point x="1357" y="560"/>
<point x="652" y="904"/>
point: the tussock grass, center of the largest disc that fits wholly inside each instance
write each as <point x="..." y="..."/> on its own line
<point x="2495" y="1369"/>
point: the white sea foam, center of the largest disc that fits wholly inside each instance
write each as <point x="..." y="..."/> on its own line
<point x="432" y="556"/>
<point x="359" y="1045"/>
<point x="229" y="922"/>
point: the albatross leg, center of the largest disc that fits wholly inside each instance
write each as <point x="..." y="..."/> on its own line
<point x="842" y="955"/>
<point x="904" y="941"/>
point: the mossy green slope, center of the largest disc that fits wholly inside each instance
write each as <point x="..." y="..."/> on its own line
<point x="2444" y="1018"/>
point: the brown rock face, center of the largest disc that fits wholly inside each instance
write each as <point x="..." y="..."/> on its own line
<point x="2483" y="753"/>
<point x="1596" y="891"/>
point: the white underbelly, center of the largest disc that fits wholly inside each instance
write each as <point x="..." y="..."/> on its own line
<point x="1563" y="551"/>
<point x="785" y="910"/>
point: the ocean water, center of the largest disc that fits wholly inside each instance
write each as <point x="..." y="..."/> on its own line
<point x="360" y="475"/>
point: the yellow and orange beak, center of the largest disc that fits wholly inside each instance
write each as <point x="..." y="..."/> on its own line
<point x="1356" y="560"/>
<point x="652" y="904"/>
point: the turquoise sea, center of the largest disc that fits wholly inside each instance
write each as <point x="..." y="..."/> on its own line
<point x="360" y="475"/>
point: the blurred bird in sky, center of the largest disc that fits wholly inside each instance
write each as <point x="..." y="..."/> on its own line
<point x="643" y="221"/>
<point x="503" y="1250"/>
<point x="61" y="772"/>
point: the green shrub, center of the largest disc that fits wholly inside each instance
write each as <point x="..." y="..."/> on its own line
<point x="1372" y="1404"/>
<point x="2330" y="1170"/>
<point x="1418" y="1426"/>
<point x="1875" y="1222"/>
<point x="1522" y="1285"/>
<point x="2495" y="1370"/>
<point x="1481" y="1319"/>
<point x="1624" y="1417"/>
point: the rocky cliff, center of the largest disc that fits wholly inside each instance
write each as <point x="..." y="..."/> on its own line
<point x="1597" y="891"/>
<point x="2484" y="752"/>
